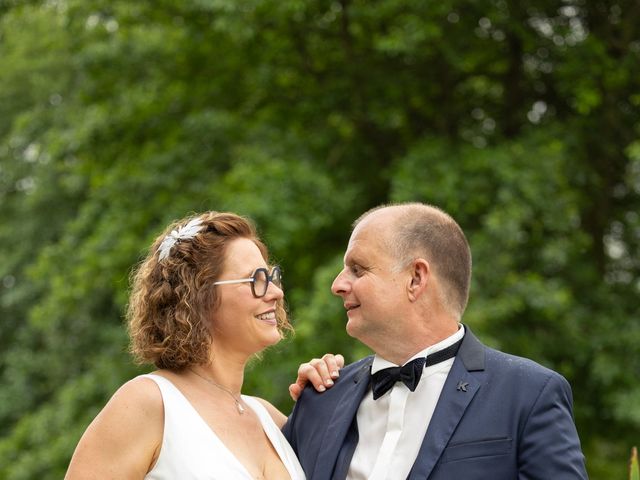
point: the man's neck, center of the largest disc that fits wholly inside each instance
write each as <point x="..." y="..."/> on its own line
<point x="418" y="344"/>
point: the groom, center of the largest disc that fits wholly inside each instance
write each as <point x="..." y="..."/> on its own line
<point x="433" y="402"/>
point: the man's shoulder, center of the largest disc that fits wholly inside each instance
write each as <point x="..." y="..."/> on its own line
<point x="483" y="357"/>
<point x="519" y="367"/>
<point x="357" y="366"/>
<point x="350" y="376"/>
<point x="353" y="373"/>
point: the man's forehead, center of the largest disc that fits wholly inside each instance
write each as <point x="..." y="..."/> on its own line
<point x="377" y="225"/>
<point x="366" y="238"/>
<point x="353" y="247"/>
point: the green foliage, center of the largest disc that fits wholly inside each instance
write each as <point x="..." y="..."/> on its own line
<point x="634" y="469"/>
<point x="117" y="117"/>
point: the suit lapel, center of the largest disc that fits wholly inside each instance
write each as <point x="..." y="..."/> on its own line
<point x="339" y="423"/>
<point x="462" y="384"/>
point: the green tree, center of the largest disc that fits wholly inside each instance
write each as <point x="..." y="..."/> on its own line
<point x="117" y="117"/>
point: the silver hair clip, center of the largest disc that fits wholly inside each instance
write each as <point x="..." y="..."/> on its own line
<point x="181" y="233"/>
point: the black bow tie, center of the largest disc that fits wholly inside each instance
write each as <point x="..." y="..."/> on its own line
<point x="383" y="380"/>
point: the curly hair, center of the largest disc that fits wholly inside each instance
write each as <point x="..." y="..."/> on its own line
<point x="172" y="299"/>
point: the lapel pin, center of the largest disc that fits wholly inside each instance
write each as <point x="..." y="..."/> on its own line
<point x="462" y="386"/>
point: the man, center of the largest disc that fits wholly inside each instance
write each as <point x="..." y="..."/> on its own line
<point x="475" y="413"/>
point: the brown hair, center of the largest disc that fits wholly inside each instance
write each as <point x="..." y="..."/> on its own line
<point x="422" y="229"/>
<point x="172" y="299"/>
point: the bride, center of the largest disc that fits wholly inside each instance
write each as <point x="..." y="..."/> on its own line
<point x="204" y="301"/>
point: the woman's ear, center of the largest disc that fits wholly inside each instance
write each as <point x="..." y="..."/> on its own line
<point x="420" y="271"/>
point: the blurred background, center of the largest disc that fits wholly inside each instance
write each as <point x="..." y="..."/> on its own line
<point x="521" y="119"/>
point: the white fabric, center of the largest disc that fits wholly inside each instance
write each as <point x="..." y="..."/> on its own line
<point x="391" y="429"/>
<point x="191" y="450"/>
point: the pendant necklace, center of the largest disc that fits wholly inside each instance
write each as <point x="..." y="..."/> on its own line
<point x="239" y="406"/>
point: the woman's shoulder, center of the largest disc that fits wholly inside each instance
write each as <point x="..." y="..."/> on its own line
<point x="138" y="402"/>
<point x="129" y="428"/>
<point x="141" y="390"/>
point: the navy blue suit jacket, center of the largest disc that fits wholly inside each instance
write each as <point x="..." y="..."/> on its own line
<point x="498" y="417"/>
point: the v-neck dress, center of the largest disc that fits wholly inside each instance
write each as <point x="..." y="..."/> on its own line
<point x="191" y="450"/>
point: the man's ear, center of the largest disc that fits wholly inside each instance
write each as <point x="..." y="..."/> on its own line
<point x="420" y="272"/>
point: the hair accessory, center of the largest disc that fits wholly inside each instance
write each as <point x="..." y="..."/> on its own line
<point x="181" y="233"/>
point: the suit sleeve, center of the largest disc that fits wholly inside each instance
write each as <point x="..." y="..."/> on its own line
<point x="549" y="446"/>
<point x="288" y="430"/>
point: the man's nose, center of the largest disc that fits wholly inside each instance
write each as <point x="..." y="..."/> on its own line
<point x="340" y="285"/>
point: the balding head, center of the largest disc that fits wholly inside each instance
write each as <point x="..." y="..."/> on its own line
<point x="417" y="230"/>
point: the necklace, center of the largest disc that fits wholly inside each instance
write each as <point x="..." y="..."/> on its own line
<point x="224" y="389"/>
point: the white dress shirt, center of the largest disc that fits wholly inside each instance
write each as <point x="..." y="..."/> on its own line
<point x="391" y="428"/>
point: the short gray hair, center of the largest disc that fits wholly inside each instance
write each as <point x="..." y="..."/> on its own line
<point x="422" y="230"/>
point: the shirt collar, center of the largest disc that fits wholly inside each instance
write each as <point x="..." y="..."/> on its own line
<point x="379" y="363"/>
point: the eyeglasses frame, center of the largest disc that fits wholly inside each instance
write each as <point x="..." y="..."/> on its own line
<point x="252" y="280"/>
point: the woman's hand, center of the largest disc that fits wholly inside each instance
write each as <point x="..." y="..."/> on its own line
<point x="321" y="372"/>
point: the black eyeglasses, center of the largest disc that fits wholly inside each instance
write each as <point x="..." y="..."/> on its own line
<point x="259" y="280"/>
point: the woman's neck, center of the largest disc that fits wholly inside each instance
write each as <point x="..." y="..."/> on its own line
<point x="225" y="369"/>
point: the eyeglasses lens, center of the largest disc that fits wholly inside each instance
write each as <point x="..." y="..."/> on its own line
<point x="276" y="277"/>
<point x="260" y="283"/>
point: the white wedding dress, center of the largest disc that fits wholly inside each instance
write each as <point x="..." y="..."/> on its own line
<point x="191" y="450"/>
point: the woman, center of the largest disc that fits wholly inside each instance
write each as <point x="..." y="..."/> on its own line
<point x="204" y="301"/>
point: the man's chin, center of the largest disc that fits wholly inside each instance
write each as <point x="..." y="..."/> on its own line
<point x="353" y="329"/>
